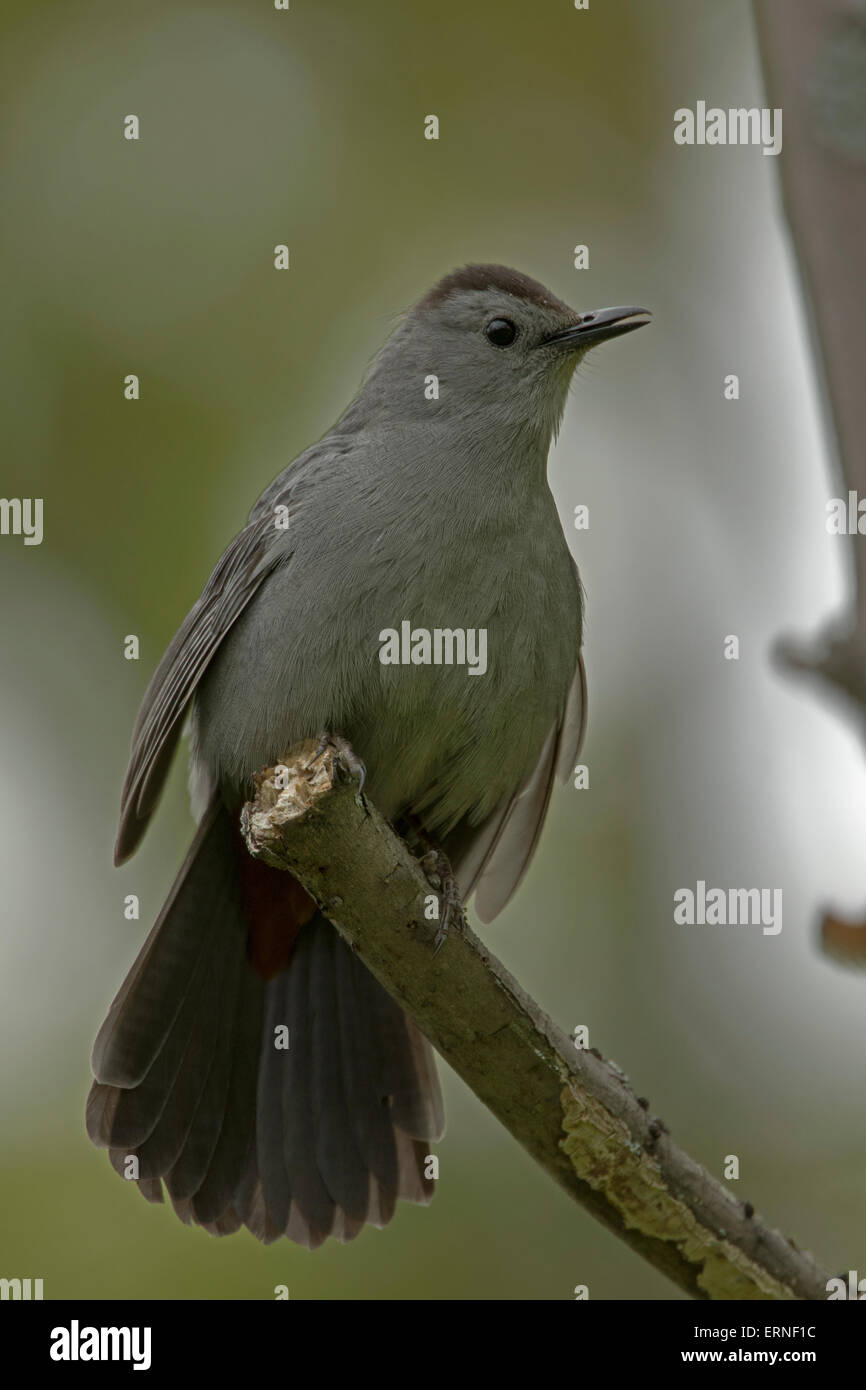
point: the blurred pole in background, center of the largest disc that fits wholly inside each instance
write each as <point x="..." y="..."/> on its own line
<point x="814" y="57"/>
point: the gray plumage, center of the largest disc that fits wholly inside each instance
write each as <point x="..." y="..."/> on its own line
<point x="436" y="511"/>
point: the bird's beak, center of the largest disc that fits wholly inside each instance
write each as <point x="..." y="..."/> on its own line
<point x="597" y="327"/>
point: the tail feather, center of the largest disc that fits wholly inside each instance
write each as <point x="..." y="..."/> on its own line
<point x="336" y="1156"/>
<point x="149" y="1000"/>
<point x="188" y="1173"/>
<point x="159" y="1110"/>
<point x="276" y="1193"/>
<point x="312" y="1204"/>
<point x="308" y="1141"/>
<point x="371" y="1123"/>
<point x="234" y="1152"/>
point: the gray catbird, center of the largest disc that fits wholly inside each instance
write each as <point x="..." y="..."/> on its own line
<point x="426" y="505"/>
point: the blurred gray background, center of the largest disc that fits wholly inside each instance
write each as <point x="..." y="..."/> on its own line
<point x="706" y="519"/>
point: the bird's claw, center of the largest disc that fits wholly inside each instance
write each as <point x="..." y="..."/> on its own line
<point x="348" y="759"/>
<point x="440" y="876"/>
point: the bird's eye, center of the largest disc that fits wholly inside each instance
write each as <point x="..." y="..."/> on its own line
<point x="501" y="332"/>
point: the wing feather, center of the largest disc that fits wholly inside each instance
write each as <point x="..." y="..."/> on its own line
<point x="250" y="557"/>
<point x="494" y="861"/>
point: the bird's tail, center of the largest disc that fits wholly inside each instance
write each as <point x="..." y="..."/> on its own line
<point x="301" y="1105"/>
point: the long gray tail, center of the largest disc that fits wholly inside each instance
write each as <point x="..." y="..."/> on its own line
<point x="304" y="1106"/>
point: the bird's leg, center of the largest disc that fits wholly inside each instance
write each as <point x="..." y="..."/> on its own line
<point x="348" y="759"/>
<point x="440" y="875"/>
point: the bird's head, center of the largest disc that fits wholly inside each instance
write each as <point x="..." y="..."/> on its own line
<point x="489" y="348"/>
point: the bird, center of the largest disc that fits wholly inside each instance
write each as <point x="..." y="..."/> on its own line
<point x="427" y="502"/>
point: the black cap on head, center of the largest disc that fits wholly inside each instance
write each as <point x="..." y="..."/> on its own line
<point x="492" y="277"/>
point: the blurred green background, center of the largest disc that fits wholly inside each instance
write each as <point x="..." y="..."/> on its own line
<point x="706" y="518"/>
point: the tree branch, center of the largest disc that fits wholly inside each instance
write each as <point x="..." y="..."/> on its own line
<point x="575" y="1113"/>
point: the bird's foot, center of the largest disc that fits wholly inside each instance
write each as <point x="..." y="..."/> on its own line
<point x="440" y="876"/>
<point x="347" y="758"/>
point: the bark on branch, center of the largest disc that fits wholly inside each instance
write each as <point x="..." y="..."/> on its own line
<point x="575" y="1113"/>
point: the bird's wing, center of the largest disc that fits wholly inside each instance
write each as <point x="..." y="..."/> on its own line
<point x="251" y="555"/>
<point x="494" y="861"/>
